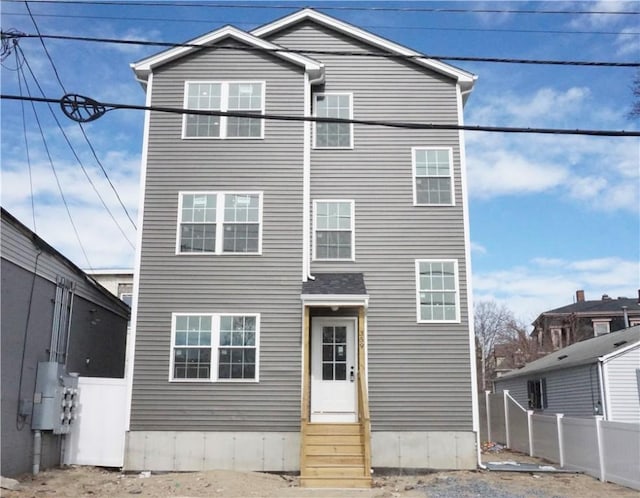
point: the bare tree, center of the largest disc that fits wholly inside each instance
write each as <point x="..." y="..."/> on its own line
<point x="493" y="324"/>
<point x="520" y="348"/>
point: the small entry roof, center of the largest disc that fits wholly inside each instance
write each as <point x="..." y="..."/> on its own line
<point x="335" y="288"/>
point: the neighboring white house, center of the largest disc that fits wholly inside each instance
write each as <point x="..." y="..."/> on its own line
<point x="119" y="282"/>
<point x="599" y="376"/>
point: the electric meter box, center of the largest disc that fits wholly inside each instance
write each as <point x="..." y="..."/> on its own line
<point x="55" y="401"/>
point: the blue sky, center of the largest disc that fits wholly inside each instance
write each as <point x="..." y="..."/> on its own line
<point x="548" y="214"/>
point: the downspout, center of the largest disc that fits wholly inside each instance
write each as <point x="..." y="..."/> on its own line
<point x="467" y="254"/>
<point x="309" y="81"/>
<point x="37" y="449"/>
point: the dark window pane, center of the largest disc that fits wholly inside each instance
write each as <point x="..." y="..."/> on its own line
<point x="236" y="356"/>
<point x="250" y="355"/>
<point x="341" y="371"/>
<point x="341" y="335"/>
<point x="327" y="353"/>
<point x="236" y="371"/>
<point x="327" y="335"/>
<point x="224" y="371"/>
<point x="327" y="371"/>
<point x="249" y="371"/>
<point x="341" y="352"/>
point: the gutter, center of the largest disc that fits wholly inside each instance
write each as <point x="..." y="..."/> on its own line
<point x="605" y="407"/>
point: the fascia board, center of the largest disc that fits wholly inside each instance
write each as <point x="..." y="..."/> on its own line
<point x="145" y="66"/>
<point x="465" y="78"/>
<point x="335" y="299"/>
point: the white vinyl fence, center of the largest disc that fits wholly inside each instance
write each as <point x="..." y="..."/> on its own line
<point x="97" y="436"/>
<point x="609" y="451"/>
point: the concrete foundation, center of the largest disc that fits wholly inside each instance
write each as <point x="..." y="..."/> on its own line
<point x="280" y="451"/>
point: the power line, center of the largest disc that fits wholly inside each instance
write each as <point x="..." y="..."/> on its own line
<point x="73" y="151"/>
<point x="369" y="26"/>
<point x="365" y="122"/>
<point x="26" y="142"/>
<point x="55" y="174"/>
<point x="446" y="10"/>
<point x="327" y="52"/>
<point x="89" y="144"/>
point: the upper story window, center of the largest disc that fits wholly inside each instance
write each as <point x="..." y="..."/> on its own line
<point x="246" y="96"/>
<point x="333" y="231"/>
<point x="333" y="135"/>
<point x="214" y="347"/>
<point x="432" y="176"/>
<point x="601" y="327"/>
<point x="437" y="290"/>
<point x="219" y="223"/>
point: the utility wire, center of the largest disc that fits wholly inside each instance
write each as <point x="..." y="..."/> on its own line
<point x="369" y="26"/>
<point x="446" y="10"/>
<point x="325" y="52"/>
<point x="55" y="174"/>
<point x="26" y="142"/>
<point x="73" y="151"/>
<point x="365" y="122"/>
<point x="84" y="133"/>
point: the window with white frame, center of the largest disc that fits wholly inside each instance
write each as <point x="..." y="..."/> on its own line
<point x="601" y="327"/>
<point x="219" y="223"/>
<point x="433" y="183"/>
<point x="333" y="135"/>
<point x="437" y="289"/>
<point x="537" y="394"/>
<point x="244" y="96"/>
<point x="214" y="347"/>
<point x="333" y="230"/>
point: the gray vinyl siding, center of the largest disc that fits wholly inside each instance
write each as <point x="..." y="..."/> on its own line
<point x="268" y="284"/>
<point x="419" y="374"/>
<point x="573" y="392"/>
<point x="624" y="387"/>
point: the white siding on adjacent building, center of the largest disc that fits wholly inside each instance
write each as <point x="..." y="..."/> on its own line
<point x="623" y="386"/>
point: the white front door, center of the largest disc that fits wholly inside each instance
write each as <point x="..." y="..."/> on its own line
<point x="334" y="370"/>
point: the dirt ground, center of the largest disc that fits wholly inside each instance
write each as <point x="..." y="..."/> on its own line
<point x="75" y="482"/>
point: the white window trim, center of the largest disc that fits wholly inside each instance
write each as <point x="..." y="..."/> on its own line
<point x="606" y="321"/>
<point x="414" y="176"/>
<point x="353" y="229"/>
<point x="215" y="345"/>
<point x="315" y="103"/>
<point x="457" y="289"/>
<point x="224" y="104"/>
<point x="220" y="195"/>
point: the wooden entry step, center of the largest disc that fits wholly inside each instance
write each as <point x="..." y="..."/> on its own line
<point x="333" y="456"/>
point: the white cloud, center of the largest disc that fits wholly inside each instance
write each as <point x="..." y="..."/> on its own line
<point x="544" y="283"/>
<point x="586" y="21"/>
<point x="627" y="42"/>
<point x="478" y="248"/>
<point x="600" y="173"/>
<point x="100" y="236"/>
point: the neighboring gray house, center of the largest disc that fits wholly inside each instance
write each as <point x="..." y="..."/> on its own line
<point x="302" y="291"/>
<point x="599" y="376"/>
<point x="53" y="316"/>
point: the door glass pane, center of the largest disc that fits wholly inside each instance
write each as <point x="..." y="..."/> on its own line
<point x="334" y="353"/>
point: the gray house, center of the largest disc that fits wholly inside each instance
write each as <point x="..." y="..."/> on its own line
<point x="301" y="298"/>
<point x="56" y="321"/>
<point x="599" y="376"/>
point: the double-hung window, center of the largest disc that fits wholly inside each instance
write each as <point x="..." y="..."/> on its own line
<point x="214" y="347"/>
<point x="432" y="177"/>
<point x="333" y="230"/>
<point x="226" y="96"/>
<point x="219" y="223"/>
<point x="437" y="290"/>
<point x="333" y="135"/>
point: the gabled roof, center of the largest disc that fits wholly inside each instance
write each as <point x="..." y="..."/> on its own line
<point x="144" y="67"/>
<point x="464" y="78"/>
<point x="582" y="353"/>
